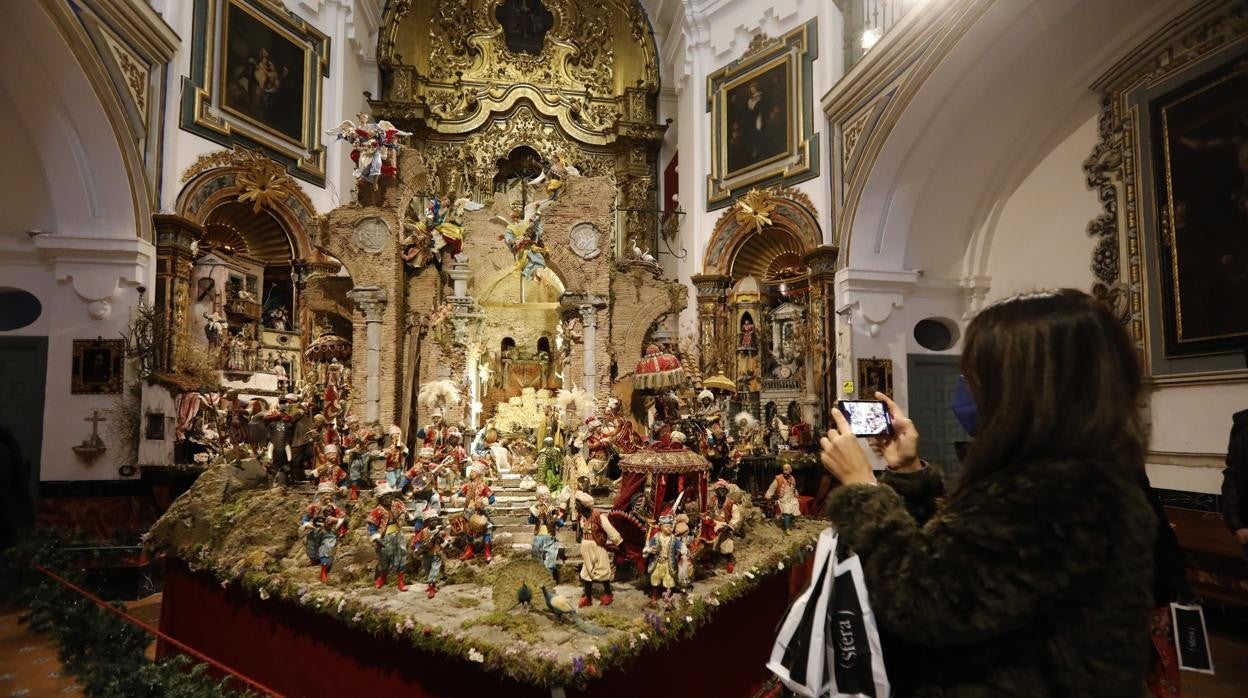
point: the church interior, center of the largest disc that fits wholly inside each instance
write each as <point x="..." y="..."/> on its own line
<point x="485" y="347"/>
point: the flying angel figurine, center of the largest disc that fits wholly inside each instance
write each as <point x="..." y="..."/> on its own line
<point x="374" y="146"/>
<point x="523" y="236"/>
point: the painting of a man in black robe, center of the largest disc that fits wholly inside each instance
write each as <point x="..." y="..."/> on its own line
<point x="1201" y="130"/>
<point x="757" y="119"/>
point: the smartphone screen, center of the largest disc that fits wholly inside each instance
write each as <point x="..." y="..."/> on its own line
<point x="867" y="417"/>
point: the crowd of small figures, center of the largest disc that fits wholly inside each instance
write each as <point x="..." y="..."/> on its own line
<point x="435" y="505"/>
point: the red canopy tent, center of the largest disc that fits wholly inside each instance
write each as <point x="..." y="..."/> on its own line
<point x="661" y="460"/>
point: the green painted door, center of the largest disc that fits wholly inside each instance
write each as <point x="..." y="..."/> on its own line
<point x="23" y="374"/>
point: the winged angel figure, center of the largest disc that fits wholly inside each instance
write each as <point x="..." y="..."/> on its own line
<point x="435" y="229"/>
<point x="374" y="146"/>
<point x="523" y="236"/>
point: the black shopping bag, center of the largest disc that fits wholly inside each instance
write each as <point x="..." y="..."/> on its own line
<point x="828" y="643"/>
<point x="1191" y="638"/>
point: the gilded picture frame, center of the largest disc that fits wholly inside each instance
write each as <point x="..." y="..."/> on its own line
<point x="256" y="80"/>
<point x="98" y="367"/>
<point x="1198" y="130"/>
<point x="874" y="374"/>
<point x="762" y="125"/>
<point x="1147" y="210"/>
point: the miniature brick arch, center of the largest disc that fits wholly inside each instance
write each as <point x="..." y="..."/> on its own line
<point x="211" y="187"/>
<point x="790" y="215"/>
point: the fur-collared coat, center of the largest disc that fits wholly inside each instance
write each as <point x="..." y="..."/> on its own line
<point x="1035" y="582"/>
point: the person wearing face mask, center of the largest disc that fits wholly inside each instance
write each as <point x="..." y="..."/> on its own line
<point x="1035" y="577"/>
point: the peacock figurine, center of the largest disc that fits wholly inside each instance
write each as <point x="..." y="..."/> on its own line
<point x="563" y="608"/>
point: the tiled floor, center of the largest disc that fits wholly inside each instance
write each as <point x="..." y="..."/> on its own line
<point x="28" y="664"/>
<point x="1230" y="660"/>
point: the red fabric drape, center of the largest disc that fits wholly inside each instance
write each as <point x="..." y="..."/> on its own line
<point x="300" y="652"/>
<point x="630" y="485"/>
<point x="660" y="489"/>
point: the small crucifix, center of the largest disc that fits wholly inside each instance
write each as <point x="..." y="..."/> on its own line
<point x="95" y="420"/>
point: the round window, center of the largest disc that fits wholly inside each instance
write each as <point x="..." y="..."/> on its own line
<point x="935" y="334"/>
<point x="18" y="309"/>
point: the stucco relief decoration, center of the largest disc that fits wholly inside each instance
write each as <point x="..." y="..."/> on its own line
<point x="371" y="235"/>
<point x="584" y="240"/>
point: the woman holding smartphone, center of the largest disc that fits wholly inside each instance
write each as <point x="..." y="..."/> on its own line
<point x="1035" y="577"/>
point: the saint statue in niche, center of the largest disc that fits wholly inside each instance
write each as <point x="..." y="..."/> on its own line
<point x="525" y="23"/>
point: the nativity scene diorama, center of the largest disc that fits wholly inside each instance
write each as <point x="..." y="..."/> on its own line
<point x="457" y="410"/>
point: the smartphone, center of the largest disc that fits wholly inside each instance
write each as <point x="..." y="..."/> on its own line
<point x="867" y="417"/>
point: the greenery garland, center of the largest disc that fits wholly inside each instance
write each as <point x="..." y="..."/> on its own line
<point x="519" y="660"/>
<point x="104" y="652"/>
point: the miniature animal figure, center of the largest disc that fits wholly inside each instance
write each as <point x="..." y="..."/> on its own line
<point x="563" y="608"/>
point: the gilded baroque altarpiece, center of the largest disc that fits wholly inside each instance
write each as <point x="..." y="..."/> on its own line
<point x="475" y="81"/>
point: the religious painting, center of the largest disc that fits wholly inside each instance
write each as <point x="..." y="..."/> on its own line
<point x="524" y="23"/>
<point x="757" y="119"/>
<point x="256" y="72"/>
<point x="262" y="79"/>
<point x="1200" y="132"/>
<point x="874" y="375"/>
<point x="98" y="366"/>
<point x="761" y="117"/>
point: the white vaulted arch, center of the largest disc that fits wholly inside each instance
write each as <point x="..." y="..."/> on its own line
<point x="91" y="170"/>
<point x="1013" y="86"/>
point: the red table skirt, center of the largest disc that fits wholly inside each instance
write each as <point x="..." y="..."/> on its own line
<point x="299" y="652"/>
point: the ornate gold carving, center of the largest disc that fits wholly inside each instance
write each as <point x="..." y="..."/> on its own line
<point x="265" y="184"/>
<point x="590" y="94"/>
<point x="1197" y="34"/>
<point x="754" y="209"/>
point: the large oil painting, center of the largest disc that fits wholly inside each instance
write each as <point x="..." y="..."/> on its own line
<point x="757" y="118"/>
<point x="263" y="75"/>
<point x="256" y="72"/>
<point x="762" y="125"/>
<point x="1201" y="133"/>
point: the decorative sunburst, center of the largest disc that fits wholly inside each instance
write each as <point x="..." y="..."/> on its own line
<point x="266" y="184"/>
<point x="754" y="209"/>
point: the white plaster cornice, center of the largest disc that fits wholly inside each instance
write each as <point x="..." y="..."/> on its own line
<point x="95" y="265"/>
<point x="873" y="293"/>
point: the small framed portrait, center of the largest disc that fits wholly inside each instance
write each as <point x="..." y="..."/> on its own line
<point x="99" y="366"/>
<point x="761" y="117"/>
<point x="257" y="68"/>
<point x="874" y="375"/>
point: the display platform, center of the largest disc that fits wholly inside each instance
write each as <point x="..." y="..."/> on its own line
<point x="240" y="590"/>
<point x="305" y="651"/>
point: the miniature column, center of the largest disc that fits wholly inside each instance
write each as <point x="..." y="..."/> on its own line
<point x="589" y="322"/>
<point x="372" y="303"/>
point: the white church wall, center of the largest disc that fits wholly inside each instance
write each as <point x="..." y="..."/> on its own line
<point x="352" y="28"/>
<point x="71" y="229"/>
<point x="1039" y="239"/>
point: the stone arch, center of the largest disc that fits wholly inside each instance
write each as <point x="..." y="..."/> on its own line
<point x="233" y="176"/>
<point x="793" y="216"/>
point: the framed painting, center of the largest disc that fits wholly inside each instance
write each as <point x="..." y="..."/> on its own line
<point x="256" y="73"/>
<point x="874" y="375"/>
<point x="98" y="366"/>
<point x="1200" y="137"/>
<point x="1171" y="171"/>
<point x="761" y="117"/>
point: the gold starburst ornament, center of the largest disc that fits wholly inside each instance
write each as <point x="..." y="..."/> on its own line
<point x="754" y="209"/>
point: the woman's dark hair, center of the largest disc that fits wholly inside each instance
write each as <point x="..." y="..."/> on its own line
<point x="1055" y="377"/>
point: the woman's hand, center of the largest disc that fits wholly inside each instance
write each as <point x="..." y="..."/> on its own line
<point x="842" y="455"/>
<point x="901" y="449"/>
